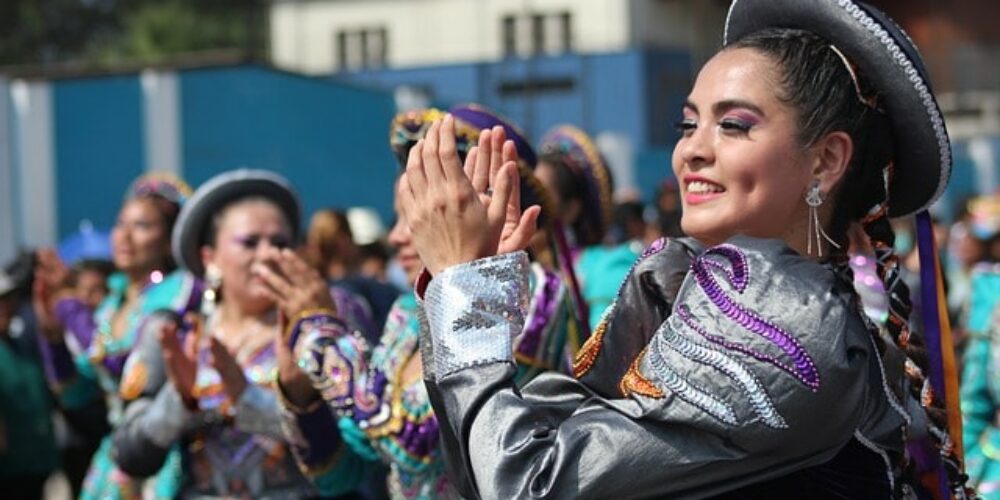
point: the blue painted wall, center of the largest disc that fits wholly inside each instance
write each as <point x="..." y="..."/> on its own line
<point x="636" y="93"/>
<point x="330" y="140"/>
<point x="99" y="147"/>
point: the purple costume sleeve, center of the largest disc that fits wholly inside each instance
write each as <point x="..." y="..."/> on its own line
<point x="312" y="433"/>
<point x="78" y="320"/>
<point x="57" y="360"/>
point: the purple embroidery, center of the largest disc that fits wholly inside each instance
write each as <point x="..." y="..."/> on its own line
<point x="685" y="314"/>
<point x="804" y="367"/>
<point x="654" y="247"/>
<point x="421" y="439"/>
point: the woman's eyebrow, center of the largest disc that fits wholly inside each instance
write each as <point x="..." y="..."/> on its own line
<point x="730" y="104"/>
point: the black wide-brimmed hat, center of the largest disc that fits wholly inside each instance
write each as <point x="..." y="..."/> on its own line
<point x="195" y="219"/>
<point x="887" y="59"/>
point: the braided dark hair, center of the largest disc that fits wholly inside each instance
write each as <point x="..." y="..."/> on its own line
<point x="829" y="97"/>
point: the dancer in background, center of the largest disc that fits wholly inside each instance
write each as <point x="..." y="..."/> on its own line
<point x="85" y="350"/>
<point x="379" y="393"/>
<point x="210" y="385"/>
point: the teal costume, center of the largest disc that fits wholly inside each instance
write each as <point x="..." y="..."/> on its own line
<point x="980" y="391"/>
<point x="89" y="365"/>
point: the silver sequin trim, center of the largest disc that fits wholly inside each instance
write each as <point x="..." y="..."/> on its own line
<point x="678" y="385"/>
<point x="738" y="372"/>
<point x="937" y="122"/>
<point x="475" y="310"/>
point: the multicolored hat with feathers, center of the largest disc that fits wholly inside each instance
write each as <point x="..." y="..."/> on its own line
<point x="580" y="155"/>
<point x="162" y="184"/>
<point x="479" y="118"/>
<point x="409" y="127"/>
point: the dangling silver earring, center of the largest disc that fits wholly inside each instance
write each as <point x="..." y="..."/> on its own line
<point x="213" y="284"/>
<point x="814" y="198"/>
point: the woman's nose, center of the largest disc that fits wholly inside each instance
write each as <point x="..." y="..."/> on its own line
<point x="697" y="148"/>
<point x="400" y="234"/>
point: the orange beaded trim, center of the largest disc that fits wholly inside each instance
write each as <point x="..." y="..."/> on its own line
<point x="634" y="382"/>
<point x="585" y="358"/>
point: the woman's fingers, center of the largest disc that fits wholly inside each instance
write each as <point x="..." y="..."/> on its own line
<point x="415" y="166"/>
<point x="233" y="379"/>
<point x="470" y="163"/>
<point x="523" y="232"/>
<point x="498" y="136"/>
<point x="451" y="164"/>
<point x="497" y="210"/>
<point x="432" y="168"/>
<point x="481" y="173"/>
<point x="277" y="283"/>
<point x="510" y="152"/>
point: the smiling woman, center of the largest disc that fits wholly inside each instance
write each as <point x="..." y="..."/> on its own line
<point x="85" y="349"/>
<point x="208" y="385"/>
<point x="741" y="165"/>
<point x="707" y="374"/>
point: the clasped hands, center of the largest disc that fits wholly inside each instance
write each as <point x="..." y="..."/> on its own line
<point x="459" y="213"/>
<point x="294" y="287"/>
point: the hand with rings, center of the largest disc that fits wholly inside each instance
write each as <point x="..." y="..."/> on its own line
<point x="459" y="214"/>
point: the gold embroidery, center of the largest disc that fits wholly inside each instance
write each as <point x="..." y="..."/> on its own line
<point x="634" y="382"/>
<point x="584" y="360"/>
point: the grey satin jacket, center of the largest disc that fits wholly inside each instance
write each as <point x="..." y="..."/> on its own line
<point x="713" y="372"/>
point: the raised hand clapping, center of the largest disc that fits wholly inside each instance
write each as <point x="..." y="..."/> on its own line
<point x="458" y="214"/>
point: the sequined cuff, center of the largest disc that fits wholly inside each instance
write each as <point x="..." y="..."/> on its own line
<point x="474" y="310"/>
<point x="332" y="357"/>
<point x="257" y="412"/>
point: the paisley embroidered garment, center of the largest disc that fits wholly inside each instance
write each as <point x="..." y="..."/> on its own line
<point x="743" y="370"/>
<point x="89" y="365"/>
<point x="228" y="448"/>
<point x="381" y="398"/>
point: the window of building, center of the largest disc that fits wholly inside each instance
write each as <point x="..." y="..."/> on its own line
<point x="537" y="33"/>
<point x="364" y="48"/>
<point x="509" y="31"/>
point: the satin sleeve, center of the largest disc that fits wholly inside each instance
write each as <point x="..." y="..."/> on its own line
<point x="727" y="393"/>
<point x="155" y="415"/>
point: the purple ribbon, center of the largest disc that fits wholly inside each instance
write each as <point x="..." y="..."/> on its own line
<point x="932" y="319"/>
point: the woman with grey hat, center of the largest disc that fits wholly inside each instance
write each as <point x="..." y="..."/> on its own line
<point x="209" y="383"/>
<point x="737" y="363"/>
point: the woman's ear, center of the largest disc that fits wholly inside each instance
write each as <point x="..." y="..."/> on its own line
<point x="207" y="255"/>
<point x="833" y="157"/>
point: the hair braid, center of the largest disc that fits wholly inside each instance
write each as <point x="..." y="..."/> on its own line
<point x="876" y="225"/>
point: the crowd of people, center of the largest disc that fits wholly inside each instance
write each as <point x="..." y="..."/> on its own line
<point x="760" y="330"/>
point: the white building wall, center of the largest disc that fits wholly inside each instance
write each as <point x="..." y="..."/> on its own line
<point x="428" y="32"/>
<point x="8" y="235"/>
<point x="35" y="163"/>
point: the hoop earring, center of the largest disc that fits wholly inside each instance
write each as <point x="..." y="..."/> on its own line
<point x="814" y="198"/>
